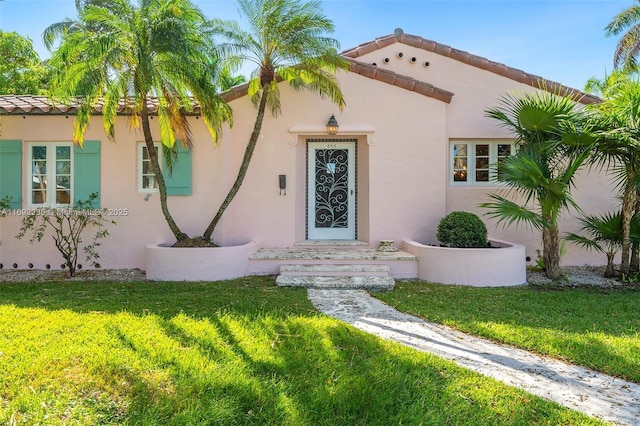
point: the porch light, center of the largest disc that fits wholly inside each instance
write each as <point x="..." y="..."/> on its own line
<point x="332" y="125"/>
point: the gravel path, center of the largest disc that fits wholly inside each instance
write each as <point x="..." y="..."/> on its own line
<point x="575" y="387"/>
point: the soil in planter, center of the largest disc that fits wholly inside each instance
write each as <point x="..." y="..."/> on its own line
<point x="195" y="242"/>
<point x="490" y="246"/>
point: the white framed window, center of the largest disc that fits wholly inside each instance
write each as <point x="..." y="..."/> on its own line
<point x="50" y="174"/>
<point x="146" y="178"/>
<point x="474" y="162"/>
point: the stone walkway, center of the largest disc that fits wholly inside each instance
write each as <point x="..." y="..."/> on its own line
<point x="574" y="387"/>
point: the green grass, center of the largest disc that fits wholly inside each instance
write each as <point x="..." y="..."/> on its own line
<point x="596" y="328"/>
<point x="242" y="352"/>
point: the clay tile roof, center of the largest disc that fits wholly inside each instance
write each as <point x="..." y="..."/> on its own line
<point x="403" y="81"/>
<point x="374" y="73"/>
<point x="38" y="105"/>
<point x="11" y="104"/>
<point x="29" y="104"/>
<point x="473" y="60"/>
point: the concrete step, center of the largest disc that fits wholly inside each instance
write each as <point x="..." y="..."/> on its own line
<point x="306" y="253"/>
<point x="359" y="276"/>
<point x="342" y="282"/>
<point x="267" y="261"/>
<point x="342" y="244"/>
<point x="335" y="270"/>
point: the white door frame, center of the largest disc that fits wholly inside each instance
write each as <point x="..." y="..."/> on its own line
<point x="339" y="199"/>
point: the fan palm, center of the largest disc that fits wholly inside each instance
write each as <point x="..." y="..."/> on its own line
<point x="155" y="50"/>
<point x="628" y="47"/>
<point x="617" y="120"/>
<point x="604" y="234"/>
<point x="552" y="145"/>
<point x="287" y="41"/>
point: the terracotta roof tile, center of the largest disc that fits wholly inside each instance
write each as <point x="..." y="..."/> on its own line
<point x="429" y="45"/>
<point x="412" y="40"/>
<point x="368" y="48"/>
<point x="473" y="60"/>
<point x="403" y="81"/>
<point x="40" y="105"/>
<point x="385" y="76"/>
<point x="235" y="92"/>
<point x="374" y="73"/>
<point x="385" y="41"/>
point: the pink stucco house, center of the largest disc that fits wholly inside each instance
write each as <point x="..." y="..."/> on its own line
<point x="413" y="142"/>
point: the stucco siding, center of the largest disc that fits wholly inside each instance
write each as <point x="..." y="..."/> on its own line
<point x="403" y="159"/>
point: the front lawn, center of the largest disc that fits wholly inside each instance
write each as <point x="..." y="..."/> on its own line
<point x="237" y="352"/>
<point x="597" y="328"/>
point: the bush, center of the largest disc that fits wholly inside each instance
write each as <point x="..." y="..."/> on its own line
<point x="462" y="229"/>
<point x="68" y="225"/>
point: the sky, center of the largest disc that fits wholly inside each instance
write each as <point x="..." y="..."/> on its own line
<point x="560" y="40"/>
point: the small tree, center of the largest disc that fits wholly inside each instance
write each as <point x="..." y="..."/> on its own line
<point x="604" y="234"/>
<point x="553" y="142"/>
<point x="617" y="127"/>
<point x="68" y="226"/>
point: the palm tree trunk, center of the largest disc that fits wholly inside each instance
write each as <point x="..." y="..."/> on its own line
<point x="628" y="206"/>
<point x="635" y="247"/>
<point x="155" y="165"/>
<point x="551" y="251"/>
<point x="610" y="270"/>
<point x="248" y="154"/>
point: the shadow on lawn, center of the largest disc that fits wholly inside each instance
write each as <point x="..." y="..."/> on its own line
<point x="247" y="352"/>
<point x="308" y="373"/>
<point x="247" y="296"/>
<point x="586" y="326"/>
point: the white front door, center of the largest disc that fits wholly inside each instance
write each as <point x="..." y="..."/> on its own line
<point x="331" y="192"/>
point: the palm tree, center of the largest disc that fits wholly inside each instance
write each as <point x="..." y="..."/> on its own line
<point x="157" y="50"/>
<point x="628" y="48"/>
<point x="617" y="121"/>
<point x="604" y="234"/>
<point x="287" y="40"/>
<point x="552" y="145"/>
<point x="57" y="30"/>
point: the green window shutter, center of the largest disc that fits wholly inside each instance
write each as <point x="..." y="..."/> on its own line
<point x="178" y="182"/>
<point x="86" y="179"/>
<point x="11" y="172"/>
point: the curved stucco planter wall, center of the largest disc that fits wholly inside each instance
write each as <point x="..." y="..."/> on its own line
<point x="490" y="267"/>
<point x="198" y="264"/>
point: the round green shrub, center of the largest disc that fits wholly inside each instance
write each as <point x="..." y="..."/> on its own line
<point x="462" y="229"/>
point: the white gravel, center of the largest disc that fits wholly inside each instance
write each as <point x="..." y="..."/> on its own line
<point x="33" y="275"/>
<point x="574" y="276"/>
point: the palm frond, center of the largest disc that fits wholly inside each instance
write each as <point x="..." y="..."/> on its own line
<point x="509" y="212"/>
<point x="170" y="156"/>
<point x="157" y="48"/>
<point x="627" y="48"/>
<point x="584" y="242"/>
